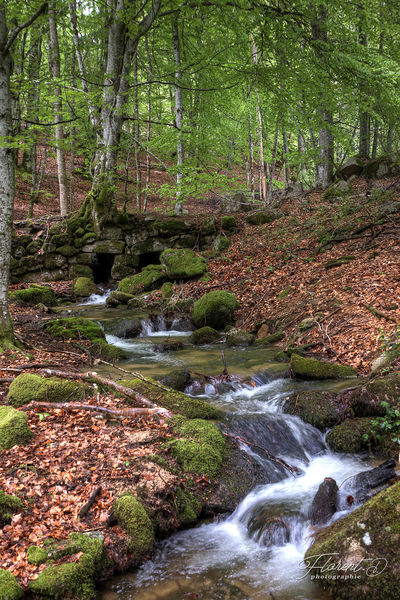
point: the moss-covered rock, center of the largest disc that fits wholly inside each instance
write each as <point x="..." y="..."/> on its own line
<point x="310" y="368"/>
<point x="177" y="379"/>
<point x="33" y="295"/>
<point x="133" y="518"/>
<point x="239" y="337"/>
<point x="37" y="555"/>
<point x="67" y="251"/>
<point x="73" y="580"/>
<point x="228" y="223"/>
<point x="270" y="339"/>
<point x="385" y="359"/>
<point x="173" y="400"/>
<point x="221" y="243"/>
<point x="366" y="400"/>
<point x="9" y="505"/>
<point x="215" y="309"/>
<point x="80" y="271"/>
<point x="167" y="290"/>
<point x="201" y="447"/>
<point x="320" y="409"/>
<point x="150" y="278"/>
<point x="28" y="387"/>
<point x="351" y="436"/>
<point x="262" y="217"/>
<point x="116" y="298"/>
<point x="188" y="507"/>
<point x="9" y="588"/>
<point x="80" y="328"/>
<point x="14" y="428"/>
<point x="124" y="265"/>
<point x="84" y="287"/>
<point x="367" y="541"/>
<point x="204" y="335"/>
<point x="182" y="264"/>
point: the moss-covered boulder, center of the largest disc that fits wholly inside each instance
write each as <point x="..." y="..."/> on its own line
<point x="37" y="555"/>
<point x="364" y="544"/>
<point x="273" y="338"/>
<point x="124" y="265"/>
<point x="133" y="518"/>
<point x="201" y="447"/>
<point x="84" y="287"/>
<point x="173" y="400"/>
<point x="215" y="309"/>
<point x="9" y="505"/>
<point x="178" y="379"/>
<point x="167" y="289"/>
<point x="320" y="409"/>
<point x="228" y="223"/>
<point x="310" y="368"/>
<point x="262" y="217"/>
<point x="79" y="328"/>
<point x="204" y="335"/>
<point x="239" y="337"/>
<point x="34" y="294"/>
<point x="9" y="588"/>
<point x="116" y="298"/>
<point x="366" y="400"/>
<point x="221" y="243"/>
<point x="73" y="580"/>
<point x="337" y="262"/>
<point x="28" y="387"/>
<point x="353" y="435"/>
<point x="14" y="428"/>
<point x="151" y="278"/>
<point x="182" y="264"/>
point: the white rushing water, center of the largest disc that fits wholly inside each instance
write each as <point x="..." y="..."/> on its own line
<point x="97" y="299"/>
<point x="237" y="558"/>
<point x="159" y="328"/>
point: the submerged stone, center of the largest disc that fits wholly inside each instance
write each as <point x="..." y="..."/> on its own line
<point x="204" y="335"/>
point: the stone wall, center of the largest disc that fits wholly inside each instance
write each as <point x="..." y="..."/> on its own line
<point x="71" y="248"/>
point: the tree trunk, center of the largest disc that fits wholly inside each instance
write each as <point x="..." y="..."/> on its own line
<point x="365" y="119"/>
<point x="54" y="59"/>
<point x="375" y="139"/>
<point x="137" y="136"/>
<point x="148" y="128"/>
<point x="6" y="183"/>
<point x="178" y="114"/>
<point x="263" y="181"/>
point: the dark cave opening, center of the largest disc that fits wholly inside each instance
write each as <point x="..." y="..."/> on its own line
<point x="101" y="266"/>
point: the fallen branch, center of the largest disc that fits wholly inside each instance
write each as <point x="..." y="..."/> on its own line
<point x="380" y="314"/>
<point x="122" y="413"/>
<point x="86" y="507"/>
<point x="270" y="456"/>
<point x="92" y="376"/>
<point x="138" y="376"/>
<point x="29" y="366"/>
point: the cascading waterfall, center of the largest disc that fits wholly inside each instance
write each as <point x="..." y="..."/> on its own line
<point x="260" y="547"/>
<point x="97" y="299"/>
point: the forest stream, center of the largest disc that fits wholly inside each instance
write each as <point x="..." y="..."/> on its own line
<point x="255" y="553"/>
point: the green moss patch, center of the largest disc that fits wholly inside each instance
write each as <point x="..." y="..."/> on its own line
<point x="270" y="339"/>
<point x="215" y="309"/>
<point x="75" y="580"/>
<point x="182" y="264"/>
<point x="150" y="278"/>
<point x="204" y="335"/>
<point x="379" y="518"/>
<point x="202" y="447"/>
<point x="9" y="588"/>
<point x="34" y="294"/>
<point x="239" y="337"/>
<point x="366" y="400"/>
<point x="173" y="400"/>
<point x="228" y="223"/>
<point x="14" y="428"/>
<point x="84" y="287"/>
<point x="28" y="387"/>
<point x="37" y="555"/>
<point x="350" y="436"/>
<point x="337" y="262"/>
<point x="9" y="505"/>
<point x="310" y="368"/>
<point x="132" y="517"/>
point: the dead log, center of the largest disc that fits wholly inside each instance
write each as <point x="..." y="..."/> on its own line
<point x="86" y="507"/>
<point x="121" y="413"/>
<point x="292" y="470"/>
<point x="380" y="314"/>
<point x="92" y="376"/>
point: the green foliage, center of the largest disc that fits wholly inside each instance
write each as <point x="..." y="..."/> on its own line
<point x="388" y="425"/>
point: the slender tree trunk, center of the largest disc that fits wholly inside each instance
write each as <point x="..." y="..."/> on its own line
<point x="54" y="56"/>
<point x="365" y="119"/>
<point x="324" y="168"/>
<point x="7" y="182"/>
<point x="178" y="114"/>
<point x="285" y="153"/>
<point x="148" y="128"/>
<point x="263" y="182"/>
<point x="375" y="139"/>
<point x="137" y="135"/>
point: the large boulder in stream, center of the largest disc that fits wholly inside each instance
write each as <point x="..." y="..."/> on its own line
<point x="361" y="552"/>
<point x="84" y="287"/>
<point x="366" y="400"/>
<point x="310" y="368"/>
<point x="204" y="335"/>
<point x="324" y="504"/>
<point x="215" y="309"/>
<point x="363" y="434"/>
<point x="320" y="409"/>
